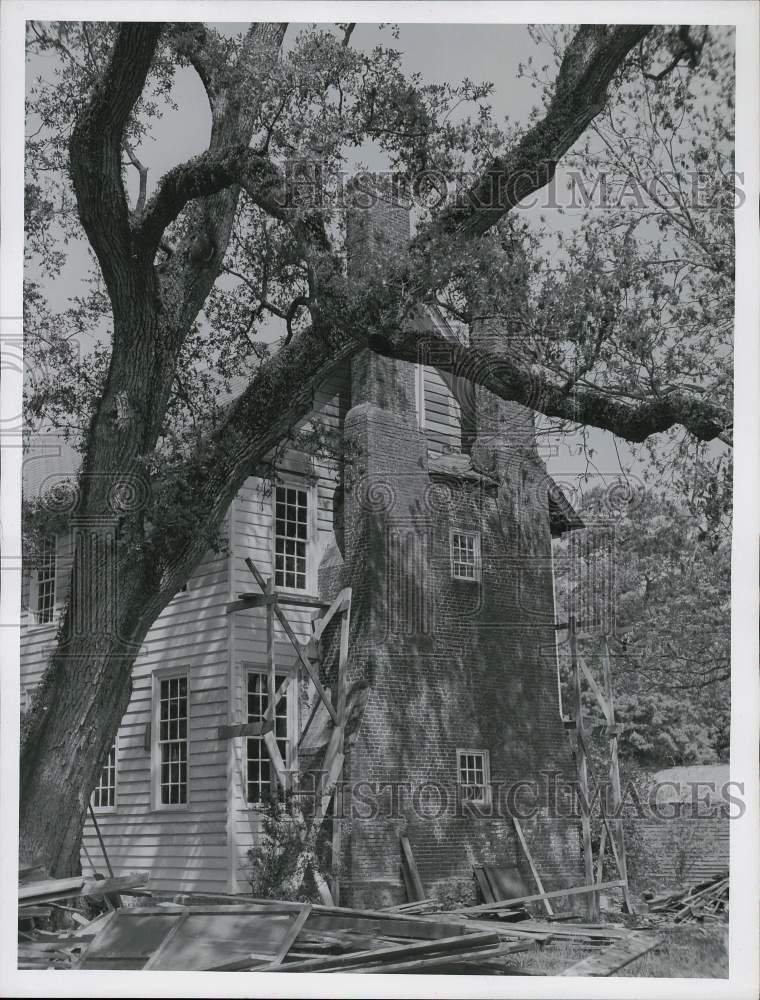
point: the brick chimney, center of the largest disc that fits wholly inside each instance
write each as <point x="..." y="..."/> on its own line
<point x="377" y="230"/>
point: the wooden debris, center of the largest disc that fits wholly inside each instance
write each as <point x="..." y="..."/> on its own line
<point x="707" y="898"/>
<point x="71" y="888"/>
<point x="367" y="959"/>
<point x="556" y="894"/>
<point x="411" y="876"/>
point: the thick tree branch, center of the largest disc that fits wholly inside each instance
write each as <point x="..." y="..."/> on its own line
<point x="589" y="64"/>
<point x="632" y="420"/>
<point x="207" y="174"/>
<point x="95" y="151"/>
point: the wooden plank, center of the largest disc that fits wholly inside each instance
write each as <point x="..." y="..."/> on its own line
<point x="533" y="869"/>
<point x="614" y="958"/>
<point x="407" y="858"/>
<point x="31" y="890"/>
<point x="485" y="953"/>
<point x="275" y="757"/>
<point x="231" y="732"/>
<point x="555" y="894"/>
<point x="306" y="663"/>
<point x="345" y="623"/>
<point x="318" y="703"/>
<point x="246" y="601"/>
<point x="266" y="725"/>
<point x="449" y="945"/>
<point x="602" y="845"/>
<point x="342" y="601"/>
<point x="484" y="885"/>
<point x="616" y="833"/>
<point x="93" y="888"/>
<point x="582" y="769"/>
<point x="603" y="703"/>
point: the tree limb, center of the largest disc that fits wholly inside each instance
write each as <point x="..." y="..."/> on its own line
<point x="95" y="151"/>
<point x="204" y="175"/>
<point x="589" y="64"/>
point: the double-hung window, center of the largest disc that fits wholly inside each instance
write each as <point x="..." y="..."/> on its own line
<point x="261" y="780"/>
<point x="171" y="720"/>
<point x="473" y="776"/>
<point x="291" y="537"/>
<point x="465" y="555"/>
<point x="44" y="597"/>
<point x="104" y="796"/>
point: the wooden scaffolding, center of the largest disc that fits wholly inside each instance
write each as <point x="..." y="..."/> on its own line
<point x="612" y="825"/>
<point x="309" y="657"/>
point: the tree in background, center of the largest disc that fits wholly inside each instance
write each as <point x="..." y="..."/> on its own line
<point x="187" y="278"/>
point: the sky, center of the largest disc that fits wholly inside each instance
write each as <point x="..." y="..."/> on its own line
<point x="440" y="52"/>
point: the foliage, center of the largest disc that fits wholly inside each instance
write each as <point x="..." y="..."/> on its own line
<point x="671" y="558"/>
<point x="282" y="864"/>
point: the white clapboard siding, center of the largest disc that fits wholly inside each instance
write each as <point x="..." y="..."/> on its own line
<point x="184" y="849"/>
<point x="442" y="415"/>
<point x="252" y="537"/>
<point x="204" y="845"/>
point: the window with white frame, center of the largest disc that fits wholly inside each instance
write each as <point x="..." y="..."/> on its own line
<point x="261" y="780"/>
<point x="465" y="555"/>
<point x="44" y="598"/>
<point x="104" y="796"/>
<point x="291" y="537"/>
<point x="171" y="727"/>
<point x="473" y="775"/>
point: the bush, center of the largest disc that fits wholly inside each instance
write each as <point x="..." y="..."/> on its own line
<point x="284" y="863"/>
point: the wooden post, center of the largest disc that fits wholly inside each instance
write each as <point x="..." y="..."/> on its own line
<point x="533" y="869"/>
<point x="271" y="669"/>
<point x="582" y="766"/>
<point x="341" y="729"/>
<point x="616" y="827"/>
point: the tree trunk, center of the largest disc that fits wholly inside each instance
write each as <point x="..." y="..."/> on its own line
<point x="83" y="696"/>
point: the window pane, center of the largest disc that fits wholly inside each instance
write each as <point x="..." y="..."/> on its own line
<point x="261" y="782"/>
<point x="291" y="537"/>
<point x="172" y="738"/>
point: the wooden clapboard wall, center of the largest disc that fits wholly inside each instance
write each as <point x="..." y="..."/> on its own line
<point x="252" y="521"/>
<point x="442" y="424"/>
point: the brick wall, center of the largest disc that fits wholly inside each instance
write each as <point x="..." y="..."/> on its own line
<point x="451" y="664"/>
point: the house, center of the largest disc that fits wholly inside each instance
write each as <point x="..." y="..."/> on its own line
<point x="439" y="519"/>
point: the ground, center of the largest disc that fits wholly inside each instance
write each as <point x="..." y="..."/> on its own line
<point x="688" y="951"/>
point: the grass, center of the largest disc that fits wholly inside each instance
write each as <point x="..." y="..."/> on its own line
<point x="687" y="951"/>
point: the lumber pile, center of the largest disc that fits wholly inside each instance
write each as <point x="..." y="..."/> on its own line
<point x="227" y="933"/>
<point x="706" y="899"/>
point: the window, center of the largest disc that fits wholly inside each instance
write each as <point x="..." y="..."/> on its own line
<point x="104" y="796"/>
<point x="465" y="555"/>
<point x="261" y="781"/>
<point x="473" y="775"/>
<point x="171" y="719"/>
<point x="45" y="581"/>
<point x="291" y="537"/>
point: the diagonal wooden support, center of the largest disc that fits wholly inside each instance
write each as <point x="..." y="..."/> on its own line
<point x="297" y="645"/>
<point x="603" y="703"/>
<point x="533" y="869"/>
<point x="256" y="728"/>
